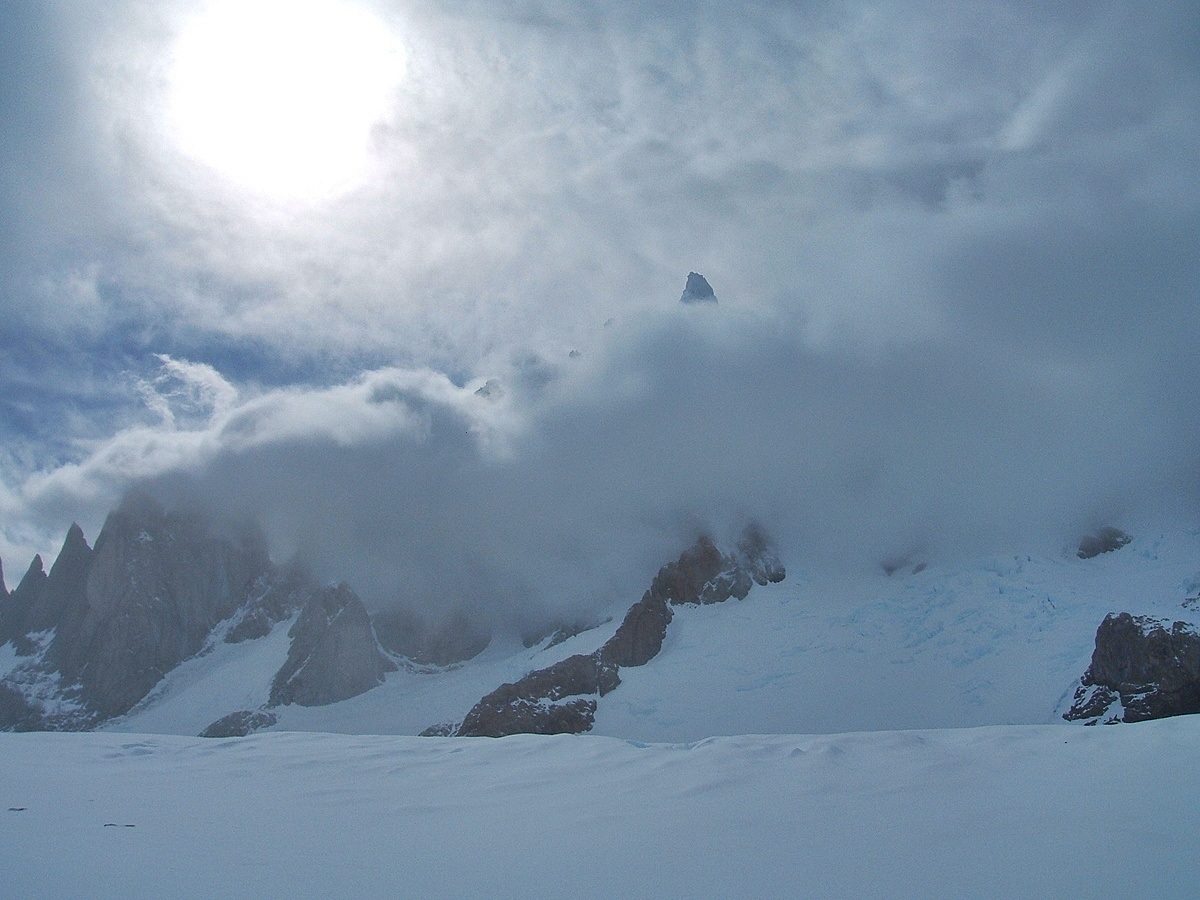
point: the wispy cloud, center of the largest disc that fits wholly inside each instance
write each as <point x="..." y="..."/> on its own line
<point x="954" y="251"/>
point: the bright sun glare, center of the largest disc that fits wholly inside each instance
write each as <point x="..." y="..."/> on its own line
<point x="280" y="96"/>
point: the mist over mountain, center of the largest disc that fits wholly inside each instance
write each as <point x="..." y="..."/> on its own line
<point x="569" y="490"/>
<point x="954" y="253"/>
<point x="632" y="423"/>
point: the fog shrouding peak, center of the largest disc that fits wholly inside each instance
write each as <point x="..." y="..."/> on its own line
<point x="955" y="252"/>
<point x="567" y="492"/>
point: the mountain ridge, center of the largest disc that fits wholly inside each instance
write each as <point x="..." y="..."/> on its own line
<point x="1007" y="639"/>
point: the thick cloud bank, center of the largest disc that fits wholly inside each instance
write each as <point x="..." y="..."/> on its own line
<point x="565" y="490"/>
<point x="954" y="251"/>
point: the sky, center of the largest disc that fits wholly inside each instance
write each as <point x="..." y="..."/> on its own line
<point x="954" y="251"/>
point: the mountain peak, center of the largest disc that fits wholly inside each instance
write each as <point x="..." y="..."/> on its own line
<point x="697" y="290"/>
<point x="35" y="569"/>
<point x="74" y="545"/>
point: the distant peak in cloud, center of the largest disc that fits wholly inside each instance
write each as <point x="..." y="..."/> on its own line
<point x="697" y="290"/>
<point x="492" y="390"/>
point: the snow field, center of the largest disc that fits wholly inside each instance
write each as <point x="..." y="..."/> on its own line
<point x="1030" y="811"/>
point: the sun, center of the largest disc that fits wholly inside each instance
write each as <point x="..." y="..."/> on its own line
<point x="280" y="96"/>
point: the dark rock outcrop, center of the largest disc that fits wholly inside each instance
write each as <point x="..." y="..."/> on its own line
<point x="67" y="580"/>
<point x="546" y="701"/>
<point x="19" y="603"/>
<point x="274" y="600"/>
<point x="334" y="654"/>
<point x="1106" y="540"/>
<point x="157" y="584"/>
<point x="1150" y="666"/>
<point x="1095" y="704"/>
<point x="560" y="698"/>
<point x="700" y="575"/>
<point x="16" y="712"/>
<point x="240" y="723"/>
<point x="640" y="635"/>
<point x="697" y="290"/>
<point x="105" y="624"/>
<point x="524" y="716"/>
<point x="703" y="574"/>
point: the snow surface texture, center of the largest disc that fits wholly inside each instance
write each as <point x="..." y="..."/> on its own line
<point x="1039" y="811"/>
<point x="1016" y="809"/>
<point x="1003" y="641"/>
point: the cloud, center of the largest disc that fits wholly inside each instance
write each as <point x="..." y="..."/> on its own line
<point x="542" y="173"/>
<point x="954" y="251"/>
<point x="567" y="493"/>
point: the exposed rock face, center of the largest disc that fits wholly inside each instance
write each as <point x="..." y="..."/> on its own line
<point x="67" y="580"/>
<point x="559" y="698"/>
<point x="1142" y="668"/>
<point x="274" y="600"/>
<point x="104" y="625"/>
<point x="546" y="701"/>
<point x="16" y="712"/>
<point x="157" y="584"/>
<point x="240" y="723"/>
<point x="1095" y="704"/>
<point x="406" y="634"/>
<point x="697" y="290"/>
<point x="334" y="653"/>
<point x="524" y="716"/>
<point x="640" y="635"/>
<point x="1106" y="540"/>
<point x="704" y="574"/>
<point x="19" y="603"/>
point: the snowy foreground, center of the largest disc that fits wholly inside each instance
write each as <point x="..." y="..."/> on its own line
<point x="1011" y="811"/>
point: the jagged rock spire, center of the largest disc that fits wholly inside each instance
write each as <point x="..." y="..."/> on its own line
<point x="65" y="586"/>
<point x="697" y="290"/>
<point x="34" y="574"/>
<point x="20" y="601"/>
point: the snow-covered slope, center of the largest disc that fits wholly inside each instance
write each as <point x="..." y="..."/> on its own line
<point x="410" y="700"/>
<point x="1026" y="811"/>
<point x="221" y="679"/>
<point x="1002" y="641"/>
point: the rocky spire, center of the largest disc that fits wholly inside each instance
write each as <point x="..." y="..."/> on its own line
<point x="66" y="585"/>
<point x="156" y="584"/>
<point x="33" y="577"/>
<point x="697" y="290"/>
<point x="20" y="601"/>
<point x="334" y="653"/>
